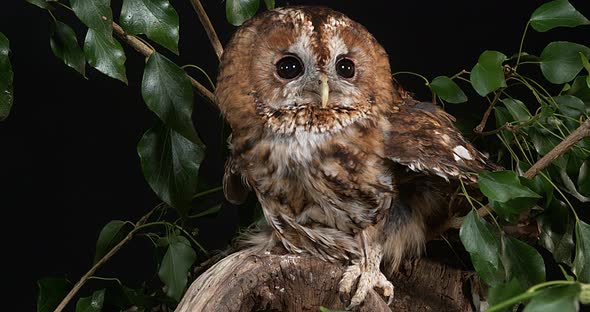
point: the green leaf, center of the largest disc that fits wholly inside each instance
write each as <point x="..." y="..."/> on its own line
<point x="581" y="265"/>
<point x="560" y="61"/>
<point x="502" y="117"/>
<point x="517" y="109"/>
<point x="270" y="4"/>
<point x="110" y="235"/>
<point x="559" y="13"/>
<point x="584" y="178"/>
<point x="170" y="164"/>
<point x="555" y="299"/>
<point x="581" y="89"/>
<point x="522" y="262"/>
<point x="51" y="292"/>
<point x="6" y="78"/>
<point x="175" y="265"/>
<point x="105" y="53"/>
<point x="239" y="11"/>
<point x="91" y="304"/>
<point x="167" y="91"/>
<point x="40" y="3"/>
<point x="95" y="14"/>
<point x="511" y="209"/>
<point x="157" y="19"/>
<point x="482" y="245"/>
<point x="570" y="106"/>
<point x="557" y="227"/>
<point x="488" y="75"/>
<point x="542" y="141"/>
<point x="64" y="45"/>
<point x="503" y="292"/>
<point x="448" y="90"/>
<point x="503" y="186"/>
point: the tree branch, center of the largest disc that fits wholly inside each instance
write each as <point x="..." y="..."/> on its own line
<point x="146" y="51"/>
<point x="486" y="115"/>
<point x="208" y="27"/>
<point x="560" y="149"/>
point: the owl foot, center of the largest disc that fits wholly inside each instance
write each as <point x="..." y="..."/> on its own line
<point x="367" y="280"/>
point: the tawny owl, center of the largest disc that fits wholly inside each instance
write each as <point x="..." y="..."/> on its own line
<point x="344" y="163"/>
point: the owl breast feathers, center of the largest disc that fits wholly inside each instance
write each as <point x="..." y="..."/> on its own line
<point x="346" y="166"/>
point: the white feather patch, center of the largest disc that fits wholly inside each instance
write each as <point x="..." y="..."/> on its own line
<point x="461" y="152"/>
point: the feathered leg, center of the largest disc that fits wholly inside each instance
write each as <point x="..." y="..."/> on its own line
<point x="366" y="270"/>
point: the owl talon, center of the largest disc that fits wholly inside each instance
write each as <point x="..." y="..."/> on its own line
<point x="367" y="280"/>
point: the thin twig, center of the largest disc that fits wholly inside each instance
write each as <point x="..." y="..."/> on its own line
<point x="582" y="132"/>
<point x="215" y="43"/>
<point x="486" y="115"/>
<point x="102" y="261"/>
<point x="146" y="51"/>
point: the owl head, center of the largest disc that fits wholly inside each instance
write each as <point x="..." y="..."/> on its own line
<point x="303" y="69"/>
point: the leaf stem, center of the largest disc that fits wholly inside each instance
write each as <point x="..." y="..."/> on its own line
<point x="526" y="28"/>
<point x="531" y="292"/>
<point x="207" y="192"/>
<point x="187" y="234"/>
<point x="202" y="71"/>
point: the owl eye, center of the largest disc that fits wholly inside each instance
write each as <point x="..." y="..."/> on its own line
<point x="345" y="68"/>
<point x="289" y="67"/>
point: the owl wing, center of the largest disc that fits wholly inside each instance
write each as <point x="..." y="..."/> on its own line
<point x="422" y="137"/>
<point x="234" y="188"/>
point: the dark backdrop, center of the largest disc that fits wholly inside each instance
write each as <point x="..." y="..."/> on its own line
<point x="68" y="161"/>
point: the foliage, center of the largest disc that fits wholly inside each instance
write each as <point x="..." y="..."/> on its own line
<point x="528" y="127"/>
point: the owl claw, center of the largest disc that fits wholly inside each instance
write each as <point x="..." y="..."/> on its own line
<point x="367" y="280"/>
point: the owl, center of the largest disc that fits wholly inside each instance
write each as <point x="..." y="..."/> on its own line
<point x="345" y="164"/>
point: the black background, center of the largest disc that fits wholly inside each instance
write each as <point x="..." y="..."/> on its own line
<point x="68" y="161"/>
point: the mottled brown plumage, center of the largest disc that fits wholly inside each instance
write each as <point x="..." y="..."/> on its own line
<point x="327" y="153"/>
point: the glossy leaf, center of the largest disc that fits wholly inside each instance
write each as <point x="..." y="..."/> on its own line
<point x="239" y="11"/>
<point x="92" y="303"/>
<point x="167" y="91"/>
<point x="51" y="293"/>
<point x="503" y="292"/>
<point x="105" y="54"/>
<point x="511" y="209"/>
<point x="555" y="299"/>
<point x="517" y="109"/>
<point x="157" y="19"/>
<point x="522" y="262"/>
<point x="110" y="235"/>
<point x="175" y="265"/>
<point x="170" y="164"/>
<point x="560" y="61"/>
<point x="558" y="13"/>
<point x="40" y="3"/>
<point x="581" y="265"/>
<point x="581" y="89"/>
<point x="557" y="228"/>
<point x="6" y="78"/>
<point x="448" y="90"/>
<point x="570" y="106"/>
<point x="488" y="75"/>
<point x="64" y="45"/>
<point x="584" y="178"/>
<point x="95" y="14"/>
<point x="543" y="142"/>
<point x="482" y="245"/>
<point x="270" y="4"/>
<point x="503" y="186"/>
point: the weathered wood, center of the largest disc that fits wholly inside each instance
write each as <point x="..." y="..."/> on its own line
<point x="249" y="280"/>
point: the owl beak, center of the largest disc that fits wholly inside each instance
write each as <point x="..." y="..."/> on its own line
<point x="324" y="89"/>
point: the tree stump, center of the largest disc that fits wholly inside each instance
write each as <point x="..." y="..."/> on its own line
<point x="250" y="280"/>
